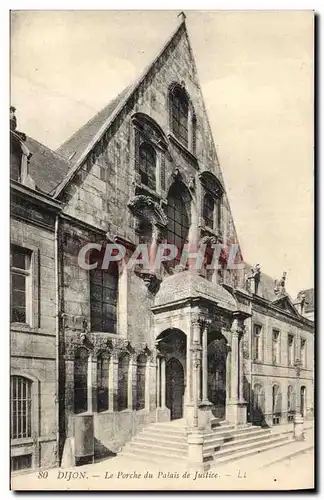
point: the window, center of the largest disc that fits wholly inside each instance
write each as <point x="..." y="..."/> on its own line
<point x="103" y="382"/>
<point x="20" y="285"/>
<point x="303" y="353"/>
<point x="275" y="346"/>
<point x="147" y="165"/>
<point x="21" y="409"/>
<point x="179" y="115"/>
<point x="208" y="211"/>
<point x="257" y="347"/>
<point x="276" y="405"/>
<point x="178" y="211"/>
<point x="21" y="462"/>
<point x="81" y="381"/>
<point x="291" y="357"/>
<point x="103" y="297"/>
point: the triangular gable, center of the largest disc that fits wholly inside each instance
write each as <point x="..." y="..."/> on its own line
<point x="286" y="304"/>
<point x="130" y="91"/>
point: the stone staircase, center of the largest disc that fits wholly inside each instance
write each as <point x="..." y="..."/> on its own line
<point x="167" y="443"/>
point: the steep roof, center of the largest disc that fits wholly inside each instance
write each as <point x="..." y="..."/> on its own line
<point x="46" y="167"/>
<point x="85" y="139"/>
<point x="309" y="299"/>
<point x="78" y="142"/>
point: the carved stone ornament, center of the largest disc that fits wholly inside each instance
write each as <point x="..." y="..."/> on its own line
<point x="145" y="206"/>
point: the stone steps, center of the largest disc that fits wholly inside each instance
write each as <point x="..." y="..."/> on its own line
<point x="167" y="443"/>
<point x="225" y="456"/>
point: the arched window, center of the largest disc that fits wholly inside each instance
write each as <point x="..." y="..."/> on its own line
<point x="103" y="381"/>
<point x="147" y="165"/>
<point x="290" y="403"/>
<point x="103" y="296"/>
<point x="179" y="111"/>
<point x="20" y="407"/>
<point x="178" y="212"/>
<point x="81" y="380"/>
<point x="123" y="367"/>
<point x="276" y="404"/>
<point x="208" y="210"/>
<point x="140" y="385"/>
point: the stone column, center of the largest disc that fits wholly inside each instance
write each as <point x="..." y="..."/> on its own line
<point x="241" y="369"/>
<point x="234" y="366"/>
<point x="158" y="382"/>
<point x="196" y="347"/>
<point x="113" y="382"/>
<point x="92" y="383"/>
<point x="131" y="383"/>
<point x="163" y="400"/>
<point x="153" y="249"/>
<point x="205" y="363"/>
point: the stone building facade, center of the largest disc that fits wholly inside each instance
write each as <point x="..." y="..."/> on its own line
<point x="135" y="346"/>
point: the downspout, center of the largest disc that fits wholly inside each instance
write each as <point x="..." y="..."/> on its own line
<point x="57" y="337"/>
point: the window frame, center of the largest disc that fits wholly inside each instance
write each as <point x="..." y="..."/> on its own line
<point x="255" y="357"/>
<point x="276" y="347"/>
<point x="303" y="349"/>
<point x="209" y="218"/>
<point x="146" y="145"/>
<point x="184" y="211"/>
<point x="32" y="298"/>
<point x="291" y="350"/>
<point x="113" y="331"/>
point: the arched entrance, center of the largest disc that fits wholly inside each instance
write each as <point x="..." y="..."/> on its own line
<point x="174" y="388"/>
<point x="302" y="400"/>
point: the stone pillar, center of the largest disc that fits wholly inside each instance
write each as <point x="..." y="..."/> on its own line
<point x="234" y="366"/>
<point x="131" y="383"/>
<point x="236" y="408"/>
<point x="113" y="382"/>
<point x="205" y="363"/>
<point x="153" y="249"/>
<point x="196" y="349"/>
<point x="241" y="370"/>
<point x="163" y="382"/>
<point x="92" y="384"/>
<point x="158" y="381"/>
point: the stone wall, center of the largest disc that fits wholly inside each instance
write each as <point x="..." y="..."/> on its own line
<point x="33" y="349"/>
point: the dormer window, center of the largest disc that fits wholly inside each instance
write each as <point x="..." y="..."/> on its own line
<point x="150" y="146"/>
<point x="147" y="165"/>
<point x="179" y="115"/>
<point x="182" y="117"/>
<point x="211" y="201"/>
<point x="208" y="210"/>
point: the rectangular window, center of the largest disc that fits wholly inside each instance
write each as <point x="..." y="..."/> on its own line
<point x="103" y="296"/>
<point x="303" y="353"/>
<point x="275" y="346"/>
<point x="291" y="356"/>
<point x="21" y="462"/>
<point x="257" y="347"/>
<point x="20" y="410"/>
<point x="20" y="274"/>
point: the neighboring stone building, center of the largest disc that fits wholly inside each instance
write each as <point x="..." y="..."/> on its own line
<point x="33" y="347"/>
<point x="138" y="346"/>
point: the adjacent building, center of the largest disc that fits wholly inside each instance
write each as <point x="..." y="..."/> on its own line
<point x="134" y="346"/>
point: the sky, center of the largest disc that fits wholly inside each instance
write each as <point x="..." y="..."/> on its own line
<point x="256" y="74"/>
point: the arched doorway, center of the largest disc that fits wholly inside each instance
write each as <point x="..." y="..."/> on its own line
<point x="174" y="388"/>
<point x="302" y="400"/>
